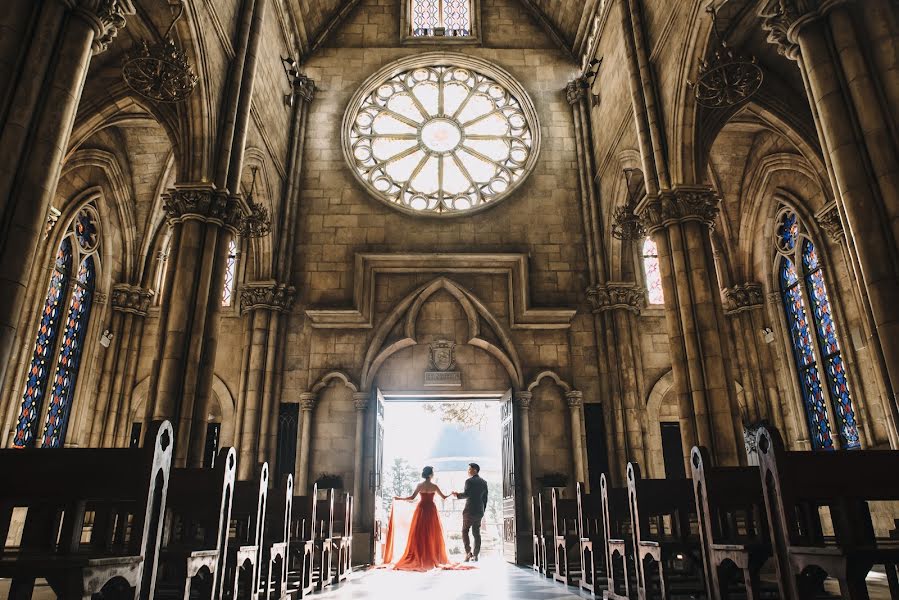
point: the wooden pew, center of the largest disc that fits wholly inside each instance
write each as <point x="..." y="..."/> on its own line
<point x="323" y="564"/>
<point x="536" y="537"/>
<point x="115" y="498"/>
<point x="566" y="540"/>
<point x="619" y="542"/>
<point x="244" y="557"/>
<point x="342" y="543"/>
<point x="733" y="526"/>
<point x="668" y="556"/>
<point x="195" y="538"/>
<point x="543" y="527"/>
<point x="301" y="546"/>
<point x="591" y="537"/>
<point x="276" y="542"/>
<point x="797" y="486"/>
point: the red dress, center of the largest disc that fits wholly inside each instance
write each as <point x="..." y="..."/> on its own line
<point x="426" y="547"/>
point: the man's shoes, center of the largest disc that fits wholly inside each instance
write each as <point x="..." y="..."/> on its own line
<point x="468" y="557"/>
<point x="474" y="558"/>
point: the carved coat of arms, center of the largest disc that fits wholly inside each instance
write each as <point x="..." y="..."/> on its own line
<point x="442" y="355"/>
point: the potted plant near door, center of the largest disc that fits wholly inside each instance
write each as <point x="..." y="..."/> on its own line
<point x="553" y="481"/>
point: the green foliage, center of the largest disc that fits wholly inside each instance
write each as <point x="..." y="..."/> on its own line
<point x="400" y="479"/>
<point x="466" y="415"/>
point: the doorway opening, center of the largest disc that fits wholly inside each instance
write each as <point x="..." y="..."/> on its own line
<point x="446" y="434"/>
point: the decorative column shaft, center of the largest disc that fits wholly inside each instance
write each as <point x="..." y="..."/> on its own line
<point x="522" y="400"/>
<point x="204" y="220"/>
<point x="307" y="404"/>
<point x="360" y="402"/>
<point x="854" y="97"/>
<point x="679" y="223"/>
<point x="575" y="400"/>
<point x="47" y="81"/>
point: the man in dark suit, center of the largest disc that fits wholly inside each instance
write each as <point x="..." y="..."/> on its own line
<point x="475" y="496"/>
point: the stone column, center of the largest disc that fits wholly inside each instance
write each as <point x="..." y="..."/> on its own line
<point x="846" y="54"/>
<point x="360" y="401"/>
<point x="617" y="306"/>
<point x="203" y="219"/>
<point x="111" y="423"/>
<point x="575" y="400"/>
<point x="44" y="84"/>
<point x="307" y="404"/>
<point x="679" y="221"/>
<point x="522" y="400"/>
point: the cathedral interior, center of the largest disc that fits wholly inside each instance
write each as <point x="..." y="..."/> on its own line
<point x="659" y="235"/>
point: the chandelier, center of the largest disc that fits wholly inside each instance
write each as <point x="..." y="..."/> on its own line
<point x="726" y="79"/>
<point x="160" y="72"/>
<point x="626" y="224"/>
<point x="256" y="222"/>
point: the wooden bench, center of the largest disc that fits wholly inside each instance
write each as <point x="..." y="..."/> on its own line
<point x="276" y="542"/>
<point x="301" y="546"/>
<point x="733" y="527"/>
<point x="244" y="557"/>
<point x="798" y="487"/>
<point x="591" y="537"/>
<point x="543" y="527"/>
<point x="566" y="540"/>
<point x="90" y="519"/>
<point x="195" y="538"/>
<point x="323" y="563"/>
<point x="535" y="537"/>
<point x="668" y="548"/>
<point x="343" y="536"/>
<point x="619" y="542"/>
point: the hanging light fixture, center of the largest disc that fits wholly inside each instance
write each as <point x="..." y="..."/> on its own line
<point x="256" y="222"/>
<point x="160" y="72"/>
<point x="626" y="224"/>
<point x="726" y="79"/>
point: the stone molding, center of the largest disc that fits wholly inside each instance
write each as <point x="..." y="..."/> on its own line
<point x="132" y="299"/>
<point x="106" y="17"/>
<point x="266" y="296"/>
<point x="576" y="90"/>
<point x="100" y="297"/>
<point x="783" y="19"/>
<point x="514" y="267"/>
<point x="361" y="400"/>
<point x="575" y="398"/>
<point x="743" y="297"/>
<point x="202" y="202"/>
<point x="828" y="219"/>
<point x="680" y="205"/>
<point x="307" y="401"/>
<point x="616" y="296"/>
<point x="523" y="399"/>
<point x="304" y="87"/>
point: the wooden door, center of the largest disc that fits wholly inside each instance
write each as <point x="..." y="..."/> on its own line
<point x="375" y="476"/>
<point x="510" y="483"/>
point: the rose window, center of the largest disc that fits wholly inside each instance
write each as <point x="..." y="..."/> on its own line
<point x="441" y="139"/>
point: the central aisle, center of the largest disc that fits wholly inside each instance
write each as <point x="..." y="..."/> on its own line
<point x="494" y="579"/>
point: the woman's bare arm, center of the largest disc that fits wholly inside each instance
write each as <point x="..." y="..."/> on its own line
<point x="440" y="492"/>
<point x="412" y="497"/>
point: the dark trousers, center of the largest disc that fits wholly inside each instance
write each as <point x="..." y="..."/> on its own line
<point x="473" y="523"/>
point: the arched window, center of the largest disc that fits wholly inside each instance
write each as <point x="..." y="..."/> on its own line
<point x="813" y="336"/>
<point x="654" y="293"/>
<point x="429" y="16"/>
<point x="230" y="269"/>
<point x="61" y="336"/>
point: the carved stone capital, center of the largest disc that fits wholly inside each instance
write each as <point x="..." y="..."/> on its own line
<point x="575" y="398"/>
<point x="202" y="202"/>
<point x="743" y="297"/>
<point x="266" y="296"/>
<point x="523" y="399"/>
<point x="307" y="401"/>
<point x="361" y="400"/>
<point x="132" y="299"/>
<point x="106" y="17"/>
<point x="783" y="19"/>
<point x="100" y="298"/>
<point x="304" y="87"/>
<point x="680" y="205"/>
<point x="616" y="296"/>
<point x="829" y="220"/>
<point x="576" y="90"/>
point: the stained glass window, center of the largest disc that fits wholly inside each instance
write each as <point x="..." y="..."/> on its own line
<point x="59" y="343"/>
<point x="813" y="336"/>
<point x="453" y="16"/>
<point x="230" y="267"/>
<point x="654" y="293"/>
<point x="441" y="139"/>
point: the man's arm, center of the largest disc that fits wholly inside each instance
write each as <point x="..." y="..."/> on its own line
<point x="486" y="488"/>
<point x="466" y="492"/>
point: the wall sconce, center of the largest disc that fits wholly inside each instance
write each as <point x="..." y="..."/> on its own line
<point x="768" y="334"/>
<point x="590" y="78"/>
<point x="290" y="70"/>
<point x="106" y="338"/>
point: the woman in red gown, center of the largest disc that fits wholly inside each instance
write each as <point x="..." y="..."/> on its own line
<point x="426" y="547"/>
